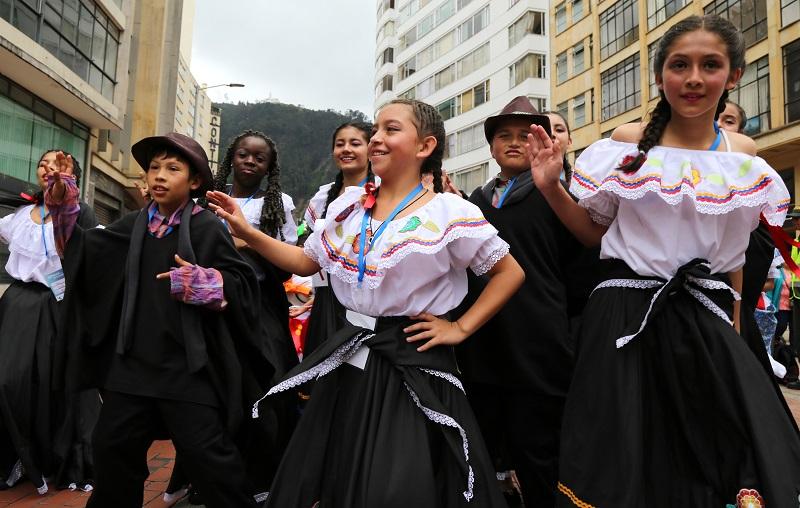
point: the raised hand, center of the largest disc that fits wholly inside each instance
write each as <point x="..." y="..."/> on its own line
<point x="228" y="210"/>
<point x="64" y="167"/>
<point x="438" y="331"/>
<point x="546" y="156"/>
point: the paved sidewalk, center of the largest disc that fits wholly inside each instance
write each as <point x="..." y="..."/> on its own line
<point x="160" y="459"/>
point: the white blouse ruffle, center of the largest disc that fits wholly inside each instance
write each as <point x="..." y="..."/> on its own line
<point x="419" y="262"/>
<point x="680" y="205"/>
<point x="316" y="206"/>
<point x="27" y="261"/>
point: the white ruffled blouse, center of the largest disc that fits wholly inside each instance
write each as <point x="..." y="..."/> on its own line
<point x="419" y="262"/>
<point x="316" y="205"/>
<point x="27" y="260"/>
<point x="680" y="205"/>
<point x="251" y="208"/>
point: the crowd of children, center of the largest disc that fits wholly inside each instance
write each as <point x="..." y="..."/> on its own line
<point x="547" y="327"/>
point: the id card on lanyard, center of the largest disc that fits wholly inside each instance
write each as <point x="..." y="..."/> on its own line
<point x="55" y="280"/>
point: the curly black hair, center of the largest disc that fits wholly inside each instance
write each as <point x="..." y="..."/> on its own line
<point x="273" y="216"/>
<point x="336" y="188"/>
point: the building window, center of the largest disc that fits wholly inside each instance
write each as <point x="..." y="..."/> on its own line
<point x="561" y="18"/>
<point x="577" y="59"/>
<point x="472" y="98"/>
<point x="447" y="109"/>
<point x="561" y="67"/>
<point x="385" y="84"/>
<point x="78" y="34"/>
<point x="444" y="77"/>
<point x="619" y="27"/>
<point x="752" y="94"/>
<point x="472" y="178"/>
<point x="749" y="16"/>
<point x="386" y="57"/>
<point x="577" y="10"/>
<point x="465" y="140"/>
<point x="532" y="22"/>
<point x="791" y="66"/>
<point x="532" y="65"/>
<point x="473" y="25"/>
<point x="659" y="11"/>
<point x="651" y="57"/>
<point x="563" y="109"/>
<point x="386" y="30"/>
<point x="540" y="103"/>
<point x="619" y="88"/>
<point x="579" y="111"/>
<point x="790" y="11"/>
<point x="473" y="61"/>
<point x="384" y="6"/>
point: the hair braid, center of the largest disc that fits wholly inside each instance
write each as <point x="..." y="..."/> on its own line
<point x="651" y="135"/>
<point x="429" y="123"/>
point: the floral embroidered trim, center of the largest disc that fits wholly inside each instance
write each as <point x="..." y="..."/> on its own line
<point x="447" y="377"/>
<point x="572" y="497"/>
<point x="448" y="421"/>
<point x="328" y="365"/>
<point x="496" y="255"/>
<point x="629" y="283"/>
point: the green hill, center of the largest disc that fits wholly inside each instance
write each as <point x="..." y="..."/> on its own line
<point x="303" y="138"/>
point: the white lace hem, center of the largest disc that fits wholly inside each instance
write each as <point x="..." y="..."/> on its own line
<point x="496" y="255"/>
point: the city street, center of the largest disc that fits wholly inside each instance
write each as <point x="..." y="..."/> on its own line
<point x="160" y="459"/>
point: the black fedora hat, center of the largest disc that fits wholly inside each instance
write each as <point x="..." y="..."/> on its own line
<point x="144" y="149"/>
<point x="519" y="107"/>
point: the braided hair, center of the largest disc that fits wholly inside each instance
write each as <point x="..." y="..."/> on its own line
<point x="336" y="188"/>
<point x="38" y="196"/>
<point x="273" y="216"/>
<point x="734" y="42"/>
<point x="429" y="123"/>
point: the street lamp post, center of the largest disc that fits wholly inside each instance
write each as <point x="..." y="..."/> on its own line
<point x="197" y="90"/>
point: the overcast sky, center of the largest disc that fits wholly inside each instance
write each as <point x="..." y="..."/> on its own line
<point x="316" y="53"/>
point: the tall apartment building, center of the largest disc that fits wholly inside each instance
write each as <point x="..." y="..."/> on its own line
<point x="192" y="107"/>
<point x="604" y="51"/>
<point x="468" y="58"/>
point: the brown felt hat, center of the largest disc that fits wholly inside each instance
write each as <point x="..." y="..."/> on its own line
<point x="519" y="107"/>
<point x="186" y="146"/>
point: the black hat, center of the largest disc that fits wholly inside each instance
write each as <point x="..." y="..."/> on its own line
<point x="184" y="145"/>
<point x="520" y="107"/>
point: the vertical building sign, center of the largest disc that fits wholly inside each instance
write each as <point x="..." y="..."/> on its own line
<point x="213" y="138"/>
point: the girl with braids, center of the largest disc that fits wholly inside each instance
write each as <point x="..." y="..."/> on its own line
<point x="389" y="424"/>
<point x="349" y="145"/>
<point x="38" y="433"/>
<point x="664" y="387"/>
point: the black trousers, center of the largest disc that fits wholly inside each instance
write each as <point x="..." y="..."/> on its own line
<point x="127" y="427"/>
<point x="522" y="430"/>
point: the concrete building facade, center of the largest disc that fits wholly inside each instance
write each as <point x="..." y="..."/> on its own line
<point x="603" y="68"/>
<point x="468" y="58"/>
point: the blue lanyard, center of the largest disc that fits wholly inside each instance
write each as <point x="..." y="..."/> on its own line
<point x="505" y="192"/>
<point x="718" y="140"/>
<point x="42" y="217"/>
<point x="364" y="181"/>
<point x="243" y="204"/>
<point x="362" y="254"/>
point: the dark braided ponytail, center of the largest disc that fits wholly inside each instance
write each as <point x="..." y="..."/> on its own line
<point x="734" y="42"/>
<point x="273" y="216"/>
<point x="336" y="188"/>
<point x="429" y="123"/>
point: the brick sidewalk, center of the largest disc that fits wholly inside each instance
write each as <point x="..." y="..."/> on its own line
<point x="159" y="459"/>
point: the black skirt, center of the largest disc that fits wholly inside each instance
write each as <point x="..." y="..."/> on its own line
<point x="682" y="415"/>
<point x="399" y="433"/>
<point x="28" y="324"/>
<point x="327" y="316"/>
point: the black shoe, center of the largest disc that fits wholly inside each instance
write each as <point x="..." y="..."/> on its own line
<point x="794" y="385"/>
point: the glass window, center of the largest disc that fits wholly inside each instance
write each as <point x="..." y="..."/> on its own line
<point x="473" y="61"/>
<point x="473" y="25"/>
<point x="471" y="178"/>
<point x="85" y="31"/>
<point x="577" y="10"/>
<point x="659" y="11"/>
<point x="444" y="77"/>
<point x="577" y="59"/>
<point x="651" y="57"/>
<point x="619" y="27"/>
<point x="579" y="111"/>
<point x="561" y="67"/>
<point x="752" y="94"/>
<point x="790" y="11"/>
<point x="49" y="39"/>
<point x="749" y="16"/>
<point x="791" y="66"/>
<point x="447" y="109"/>
<point x="69" y="21"/>
<point x="5" y="9"/>
<point x="619" y="90"/>
<point x="532" y="65"/>
<point x="540" y="103"/>
<point x="532" y="22"/>
<point x="25" y="19"/>
<point x="561" y="18"/>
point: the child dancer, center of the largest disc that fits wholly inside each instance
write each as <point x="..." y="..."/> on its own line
<point x="30" y="412"/>
<point x="349" y="146"/>
<point x="668" y="406"/>
<point x="389" y="424"/>
<point x="170" y="347"/>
